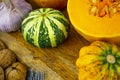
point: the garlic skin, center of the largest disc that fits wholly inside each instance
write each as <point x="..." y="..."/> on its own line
<point x="12" y="12"/>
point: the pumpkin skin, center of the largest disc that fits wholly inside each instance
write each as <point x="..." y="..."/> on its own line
<point x="33" y="4"/>
<point x="56" y="4"/>
<point x="93" y="27"/>
<point x="99" y="61"/>
<point x="45" y="27"/>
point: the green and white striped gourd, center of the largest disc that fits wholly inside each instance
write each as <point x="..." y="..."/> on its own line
<point x="45" y="27"/>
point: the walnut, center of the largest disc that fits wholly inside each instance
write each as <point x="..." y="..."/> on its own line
<point x="17" y="71"/>
<point x="7" y="57"/>
<point x="2" y="76"/>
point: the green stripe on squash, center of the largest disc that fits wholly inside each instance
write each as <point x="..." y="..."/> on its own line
<point x="45" y="27"/>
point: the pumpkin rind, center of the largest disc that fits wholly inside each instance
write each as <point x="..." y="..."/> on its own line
<point x="99" y="61"/>
<point x="45" y="27"/>
<point x="56" y="4"/>
<point x="92" y="27"/>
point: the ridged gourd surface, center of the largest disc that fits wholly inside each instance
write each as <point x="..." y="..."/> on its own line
<point x="45" y="27"/>
<point x="99" y="61"/>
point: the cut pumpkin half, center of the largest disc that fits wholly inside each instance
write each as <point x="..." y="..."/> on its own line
<point x="96" y="19"/>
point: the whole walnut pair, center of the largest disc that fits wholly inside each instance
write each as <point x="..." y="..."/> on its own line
<point x="10" y="69"/>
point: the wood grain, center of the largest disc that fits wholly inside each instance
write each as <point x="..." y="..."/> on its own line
<point x="56" y="63"/>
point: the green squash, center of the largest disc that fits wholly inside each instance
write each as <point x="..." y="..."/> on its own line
<point x="45" y="27"/>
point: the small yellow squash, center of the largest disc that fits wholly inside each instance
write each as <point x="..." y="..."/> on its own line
<point x="99" y="61"/>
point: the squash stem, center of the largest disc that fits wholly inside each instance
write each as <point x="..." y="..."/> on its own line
<point x="110" y="59"/>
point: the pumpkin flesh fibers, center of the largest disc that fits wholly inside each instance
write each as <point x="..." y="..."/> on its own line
<point x="93" y="27"/>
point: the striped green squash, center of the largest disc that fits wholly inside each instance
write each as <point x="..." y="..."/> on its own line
<point x="45" y="27"/>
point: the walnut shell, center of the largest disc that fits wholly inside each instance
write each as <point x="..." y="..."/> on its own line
<point x="7" y="57"/>
<point x="17" y="71"/>
<point x="2" y="76"/>
<point x="2" y="45"/>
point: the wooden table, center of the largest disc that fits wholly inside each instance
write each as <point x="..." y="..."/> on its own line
<point x="56" y="63"/>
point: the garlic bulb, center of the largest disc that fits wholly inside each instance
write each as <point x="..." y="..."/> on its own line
<point x="12" y="12"/>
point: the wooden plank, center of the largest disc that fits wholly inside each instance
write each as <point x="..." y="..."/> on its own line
<point x="57" y="63"/>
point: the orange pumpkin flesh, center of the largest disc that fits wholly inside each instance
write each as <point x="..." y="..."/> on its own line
<point x="93" y="27"/>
